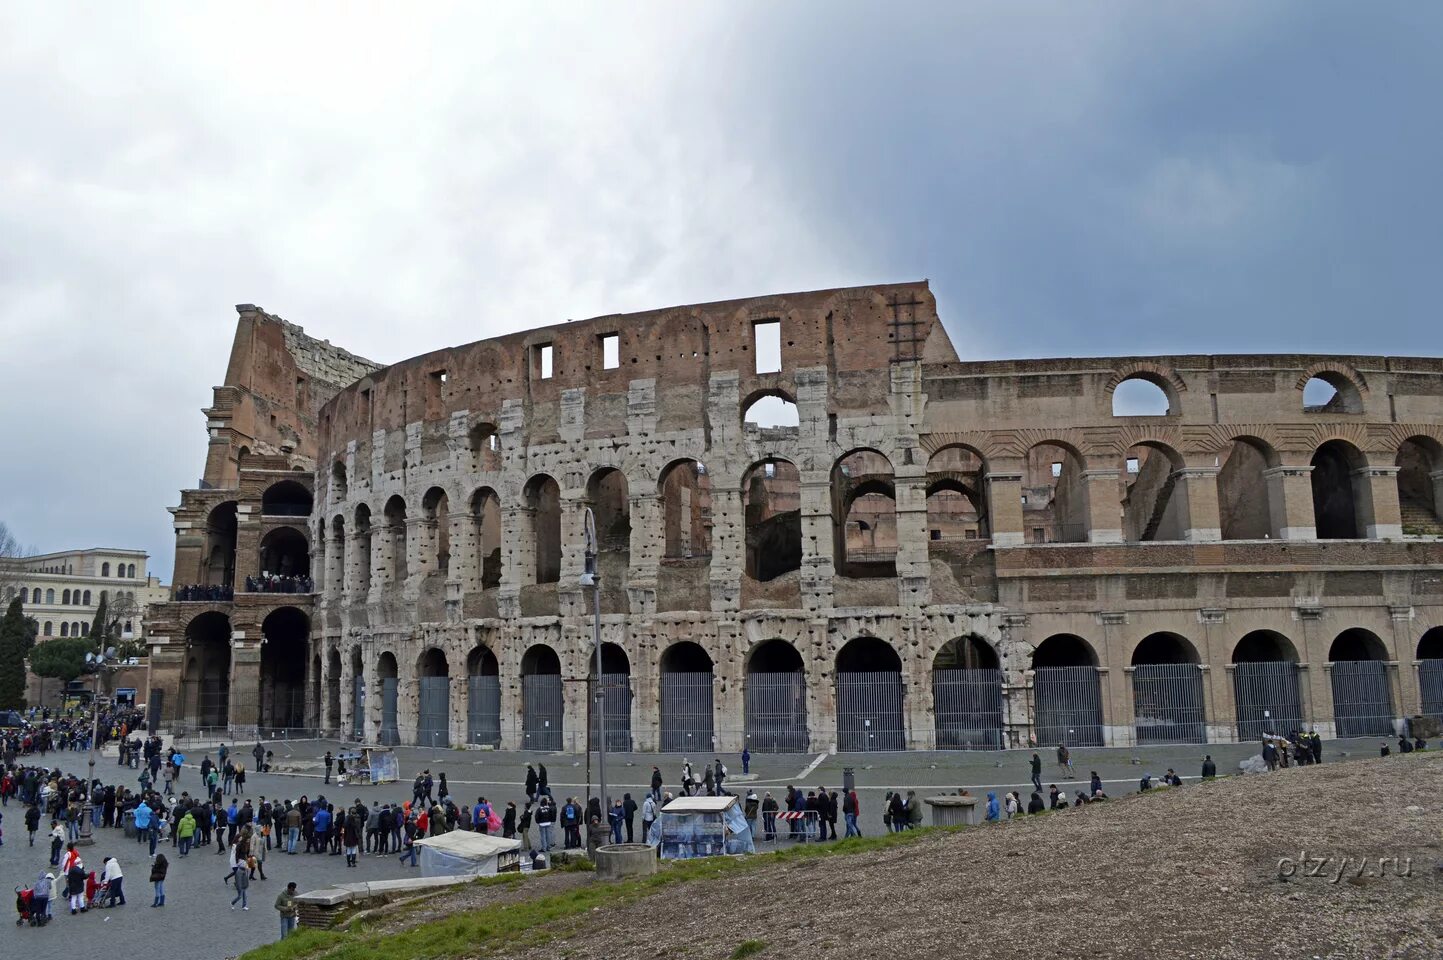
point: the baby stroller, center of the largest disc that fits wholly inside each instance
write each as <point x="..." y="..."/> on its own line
<point x="26" y="910"/>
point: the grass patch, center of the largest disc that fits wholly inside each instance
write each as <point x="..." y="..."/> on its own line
<point x="530" y="922"/>
<point x="748" y="947"/>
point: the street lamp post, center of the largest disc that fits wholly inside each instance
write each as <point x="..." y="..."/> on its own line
<point x="98" y="662"/>
<point x="592" y="578"/>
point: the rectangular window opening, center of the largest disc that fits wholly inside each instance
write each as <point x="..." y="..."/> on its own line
<point x="768" y="342"/>
<point x="1133" y="465"/>
<point x="543" y="361"/>
<point x="936" y="534"/>
<point x="1057" y="469"/>
<point x="610" y="351"/>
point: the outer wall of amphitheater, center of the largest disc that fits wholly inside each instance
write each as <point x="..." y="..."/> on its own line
<point x="938" y="554"/>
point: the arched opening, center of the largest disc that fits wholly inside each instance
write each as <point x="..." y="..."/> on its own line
<point x="541" y="698"/>
<point x="65" y="599"/>
<point x="1054" y="495"/>
<point x="1152" y="506"/>
<point x="285" y="643"/>
<point x="358" y="695"/>
<point x="687" y="686"/>
<point x="1430" y="672"/>
<point x="316" y="693"/>
<point x="396" y="539"/>
<point x="1140" y="396"/>
<point x="864" y="515"/>
<point x="1066" y="692"/>
<point x="285" y="563"/>
<point x="65" y="629"/>
<point x="610" y="501"/>
<point x="1265" y="685"/>
<point x="386" y="672"/>
<point x="770" y="415"/>
<point x="1167" y="691"/>
<point x="869" y="697"/>
<point x="1362" y="695"/>
<point x="105" y="569"/>
<point x="772" y="503"/>
<point x="1245" y="496"/>
<point x="333" y="692"/>
<point x="1336" y="493"/>
<point x="206" y="680"/>
<point x="543" y="502"/>
<point x="776" y="699"/>
<point x="436" y="509"/>
<point x="433" y="689"/>
<point x="486" y="523"/>
<point x="485" y="447"/>
<point x="1331" y="392"/>
<point x="288" y="498"/>
<point x="616" y="687"/>
<point x="220" y="535"/>
<point x="1420" y="486"/>
<point x="685" y="489"/>
<point x="362" y="552"/>
<point x="956" y="497"/>
<point x="483" y="697"/>
<point x="335" y="570"/>
<point x="338" y="480"/>
<point x="967" y="695"/>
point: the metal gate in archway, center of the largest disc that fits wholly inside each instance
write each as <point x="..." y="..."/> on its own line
<point x="1167" y="703"/>
<point x="541" y="706"/>
<point x="869" y="711"/>
<point x="433" y="717"/>
<point x="1362" y="698"/>
<point x="1430" y="685"/>
<point x="358" y="706"/>
<point x="1268" y="698"/>
<point x="617" y="690"/>
<point x="686" y="711"/>
<point x="483" y="710"/>
<point x="776" y="712"/>
<point x="1068" y="705"/>
<point x="390" y="733"/>
<point x="967" y="705"/>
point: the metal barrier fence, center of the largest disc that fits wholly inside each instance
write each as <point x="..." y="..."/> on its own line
<point x="483" y="710"/>
<point x="686" y="711"/>
<point x="1362" y="698"/>
<point x="1068" y="706"/>
<point x="869" y="711"/>
<point x="390" y="734"/>
<point x="776" y="712"/>
<point x="541" y="706"/>
<point x="786" y="827"/>
<point x="1168" y="703"/>
<point x="433" y="714"/>
<point x="617" y="688"/>
<point x="1430" y="685"/>
<point x="213" y="703"/>
<point x="287" y="707"/>
<point x="1268" y="698"/>
<point x="968" y="709"/>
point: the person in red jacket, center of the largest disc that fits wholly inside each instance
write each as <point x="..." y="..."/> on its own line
<point x="851" y="810"/>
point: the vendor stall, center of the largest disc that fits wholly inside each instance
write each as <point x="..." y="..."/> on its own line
<point x="462" y="853"/>
<point x="701" y="827"/>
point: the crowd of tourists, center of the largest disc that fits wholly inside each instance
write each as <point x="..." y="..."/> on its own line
<point x="274" y="583"/>
<point x="205" y="592"/>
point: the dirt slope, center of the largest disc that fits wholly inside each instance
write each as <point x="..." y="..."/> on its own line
<point x="1181" y="873"/>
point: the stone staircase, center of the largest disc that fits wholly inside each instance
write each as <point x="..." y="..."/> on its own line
<point x="1419" y="521"/>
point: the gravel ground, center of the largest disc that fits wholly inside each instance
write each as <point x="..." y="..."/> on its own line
<point x="1182" y="873"/>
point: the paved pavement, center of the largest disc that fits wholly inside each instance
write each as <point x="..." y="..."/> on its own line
<point x="197" y="921"/>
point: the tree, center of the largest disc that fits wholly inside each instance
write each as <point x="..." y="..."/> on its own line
<point x="62" y="658"/>
<point x="11" y="549"/>
<point x="99" y="627"/>
<point x="17" y="636"/>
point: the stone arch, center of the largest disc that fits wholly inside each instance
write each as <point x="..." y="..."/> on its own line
<point x="772" y="506"/>
<point x="616" y="694"/>
<point x="484" y="444"/>
<point x="1143" y="395"/>
<point x="486" y="535"/>
<point x="541" y="698"/>
<point x="1346" y="381"/>
<point x="436" y="509"/>
<point x="1161" y="375"/>
<point x="775" y="698"/>
<point x="1154" y="507"/>
<point x="433" y="689"/>
<point x="957" y="506"/>
<point x="483" y="697"/>
<point x="609" y="496"/>
<point x="396" y="538"/>
<point x="332" y="718"/>
<point x="1067" y="692"/>
<point x="1362" y="693"/>
<point x="1420" y="485"/>
<point x="284" y="552"/>
<point x="358" y="693"/>
<point x="220" y="545"/>
<point x="688" y="681"/>
<point x="542" y="495"/>
<point x="285" y="640"/>
<point x="967" y="695"/>
<point x="1341" y="496"/>
<point x="770" y="414"/>
<point x="685" y="490"/>
<point x="1248" y="507"/>
<point x="1430" y="672"/>
<point x="1167" y="690"/>
<point x="287" y="498"/>
<point x="362" y="552"/>
<point x="1266" y="688"/>
<point x="387" y="673"/>
<point x="339" y="485"/>
<point x="1054" y="493"/>
<point x="864" y="514"/>
<point x="870" y="696"/>
<point x="205" y="680"/>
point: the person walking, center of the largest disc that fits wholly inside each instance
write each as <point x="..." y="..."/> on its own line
<point x="1064" y="758"/>
<point x="158" y="869"/>
<point x="531" y="781"/>
<point x="1036" y="773"/>
<point x="242" y="884"/>
<point x="656" y="783"/>
<point x="851" y="810"/>
<point x="328" y="760"/>
<point x="648" y="816"/>
<point x="286" y="907"/>
<point x="75" y="875"/>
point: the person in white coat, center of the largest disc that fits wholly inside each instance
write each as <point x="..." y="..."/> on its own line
<point x="113" y="879"/>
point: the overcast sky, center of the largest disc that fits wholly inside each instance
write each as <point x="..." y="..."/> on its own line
<point x="1074" y="179"/>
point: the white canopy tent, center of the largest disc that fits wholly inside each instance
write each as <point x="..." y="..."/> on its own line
<point x="463" y="853"/>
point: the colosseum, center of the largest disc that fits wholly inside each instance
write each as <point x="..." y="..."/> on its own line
<point x="816" y="528"/>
